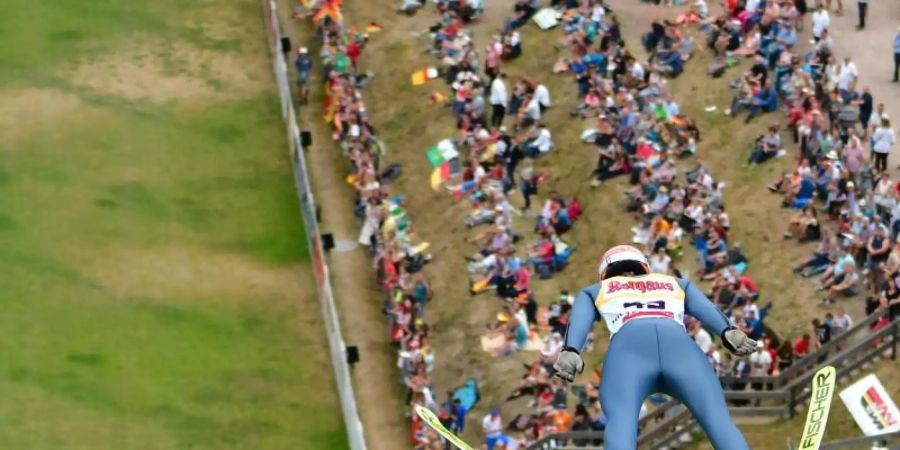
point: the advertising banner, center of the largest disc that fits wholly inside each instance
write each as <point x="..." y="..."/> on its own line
<point x="871" y="406"/>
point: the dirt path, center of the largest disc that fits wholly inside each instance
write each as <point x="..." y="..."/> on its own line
<point x="378" y="393"/>
<point x="871" y="50"/>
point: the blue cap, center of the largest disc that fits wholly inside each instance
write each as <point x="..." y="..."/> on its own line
<point x="495" y="412"/>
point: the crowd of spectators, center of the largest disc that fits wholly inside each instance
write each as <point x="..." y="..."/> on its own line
<point x="639" y="131"/>
<point x="840" y="186"/>
<point x="497" y="151"/>
<point x="844" y="141"/>
<point x="387" y="231"/>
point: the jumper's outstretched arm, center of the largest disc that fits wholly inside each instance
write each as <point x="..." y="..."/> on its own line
<point x="581" y="318"/>
<point x="699" y="306"/>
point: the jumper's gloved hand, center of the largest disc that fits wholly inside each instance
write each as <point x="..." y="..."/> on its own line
<point x="737" y="342"/>
<point x="568" y="364"/>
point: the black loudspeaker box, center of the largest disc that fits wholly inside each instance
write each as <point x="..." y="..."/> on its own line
<point x="352" y="354"/>
<point x="285" y="45"/>
<point x="327" y="241"/>
<point x="305" y="138"/>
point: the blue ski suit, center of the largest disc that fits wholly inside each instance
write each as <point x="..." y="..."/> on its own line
<point x="650" y="351"/>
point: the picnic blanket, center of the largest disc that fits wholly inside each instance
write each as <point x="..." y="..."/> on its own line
<point x="547" y="18"/>
<point x="493" y="342"/>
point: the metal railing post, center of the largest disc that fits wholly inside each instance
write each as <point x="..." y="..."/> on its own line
<point x="894" y="340"/>
<point x="790" y="403"/>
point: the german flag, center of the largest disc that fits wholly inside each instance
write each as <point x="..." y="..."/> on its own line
<point x="440" y="174"/>
<point x="877" y="409"/>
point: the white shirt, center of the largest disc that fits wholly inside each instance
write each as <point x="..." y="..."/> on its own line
<point x="637" y="71"/>
<point x="751" y="307"/>
<point x="544" y="141"/>
<point x="715" y="360"/>
<point x="479" y="173"/>
<point x="875" y="120"/>
<point x="703" y="340"/>
<point x="752" y="5"/>
<point x="759" y="363"/>
<point x="847" y="75"/>
<point x="498" y="92"/>
<point x="883" y="139"/>
<point x="515" y="38"/>
<point x="820" y="20"/>
<point x="660" y="263"/>
<point x="702" y="8"/>
<point x="542" y="95"/>
<point x="533" y="110"/>
<point x="492" y="426"/>
<point x="706" y="180"/>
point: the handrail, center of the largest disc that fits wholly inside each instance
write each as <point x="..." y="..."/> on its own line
<point x="657" y="413"/>
<point x="811" y="359"/>
<point x="664" y="427"/>
<point x="651" y="416"/>
<point x="688" y="427"/>
<point x="854" y="442"/>
<point x="793" y="392"/>
<point x="846" y="353"/>
<point x="865" y="352"/>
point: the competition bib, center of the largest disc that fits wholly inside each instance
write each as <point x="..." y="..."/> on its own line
<point x="623" y="299"/>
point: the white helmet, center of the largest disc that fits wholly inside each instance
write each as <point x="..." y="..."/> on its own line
<point x="622" y="259"/>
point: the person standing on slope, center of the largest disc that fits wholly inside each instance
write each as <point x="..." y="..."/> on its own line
<point x="650" y="350"/>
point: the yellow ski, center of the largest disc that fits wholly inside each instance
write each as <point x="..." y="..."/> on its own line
<point x="433" y="422"/>
<point x="819" y="405"/>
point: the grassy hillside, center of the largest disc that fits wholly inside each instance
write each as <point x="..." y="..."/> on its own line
<point x="156" y="292"/>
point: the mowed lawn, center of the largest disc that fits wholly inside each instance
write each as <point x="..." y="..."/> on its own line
<point x="155" y="290"/>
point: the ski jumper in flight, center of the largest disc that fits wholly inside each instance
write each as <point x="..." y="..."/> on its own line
<point x="650" y="350"/>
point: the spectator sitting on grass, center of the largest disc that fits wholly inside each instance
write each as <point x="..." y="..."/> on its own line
<point x="804" y="225"/>
<point x="612" y="162"/>
<point x="541" y="141"/>
<point x="821" y="259"/>
<point x="767" y="146"/>
<point x="839" y="278"/>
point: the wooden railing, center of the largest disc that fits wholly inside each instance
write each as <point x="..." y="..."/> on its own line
<point x="811" y="360"/>
<point x="849" y="351"/>
<point x="863" y="442"/>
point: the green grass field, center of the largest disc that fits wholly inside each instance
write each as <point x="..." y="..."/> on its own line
<point x="155" y="291"/>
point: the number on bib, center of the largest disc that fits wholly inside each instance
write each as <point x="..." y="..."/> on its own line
<point x="655" y="304"/>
